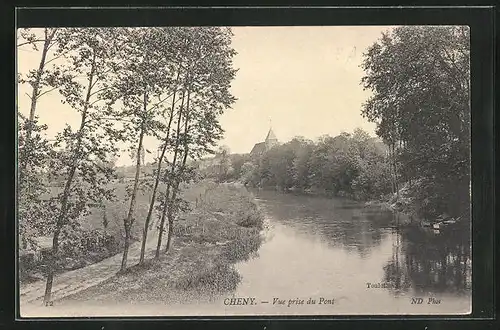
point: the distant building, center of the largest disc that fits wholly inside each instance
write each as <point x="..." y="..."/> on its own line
<point x="270" y="141"/>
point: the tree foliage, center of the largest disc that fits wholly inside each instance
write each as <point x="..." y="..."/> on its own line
<point x="170" y="84"/>
<point x="78" y="153"/>
<point x="353" y="165"/>
<point x="421" y="91"/>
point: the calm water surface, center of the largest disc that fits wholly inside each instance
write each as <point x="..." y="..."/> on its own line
<point x="317" y="248"/>
<point x="332" y="248"/>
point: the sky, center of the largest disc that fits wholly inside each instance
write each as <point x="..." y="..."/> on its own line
<point x="302" y="81"/>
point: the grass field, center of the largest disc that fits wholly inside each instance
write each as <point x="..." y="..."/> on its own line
<point x="222" y="228"/>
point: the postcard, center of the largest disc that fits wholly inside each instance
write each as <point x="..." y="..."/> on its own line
<point x="244" y="171"/>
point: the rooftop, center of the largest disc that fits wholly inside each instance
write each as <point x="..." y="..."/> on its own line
<point x="270" y="135"/>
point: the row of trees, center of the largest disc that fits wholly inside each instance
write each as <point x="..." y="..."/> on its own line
<point x="420" y="83"/>
<point x="126" y="84"/>
<point x="354" y="165"/>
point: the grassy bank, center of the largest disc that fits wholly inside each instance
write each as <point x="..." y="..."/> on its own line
<point x="96" y="236"/>
<point x="222" y="228"/>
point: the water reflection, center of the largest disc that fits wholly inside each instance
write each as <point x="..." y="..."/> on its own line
<point x="430" y="262"/>
<point x="422" y="261"/>
<point x="340" y="223"/>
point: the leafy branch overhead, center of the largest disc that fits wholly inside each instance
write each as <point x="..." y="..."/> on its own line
<point x="126" y="85"/>
<point x="420" y="77"/>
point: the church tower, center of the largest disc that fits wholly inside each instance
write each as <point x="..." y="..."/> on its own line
<point x="271" y="139"/>
<point x="269" y="142"/>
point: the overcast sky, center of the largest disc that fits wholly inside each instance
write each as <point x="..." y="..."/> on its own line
<point x="305" y="81"/>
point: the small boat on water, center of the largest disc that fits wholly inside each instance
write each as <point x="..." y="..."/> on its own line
<point x="444" y="222"/>
<point x="440" y="223"/>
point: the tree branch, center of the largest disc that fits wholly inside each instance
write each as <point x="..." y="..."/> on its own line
<point x="56" y="57"/>
<point x="160" y="102"/>
<point x="100" y="90"/>
<point x="452" y="61"/>
<point x="21" y="115"/>
<point x="30" y="42"/>
<point x="47" y="91"/>
<point x="117" y="119"/>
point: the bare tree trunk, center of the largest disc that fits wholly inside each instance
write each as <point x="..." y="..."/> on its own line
<point x="51" y="269"/>
<point x="34" y="98"/>
<point x="67" y="188"/>
<point x="176" y="187"/>
<point x="395" y="171"/>
<point x="126" y="247"/>
<point x="162" y="222"/>
<point x="128" y="221"/>
<point x="169" y="185"/>
<point x="389" y="163"/>
<point x="171" y="209"/>
<point x="157" y="180"/>
<point x="170" y="226"/>
<point x="392" y="149"/>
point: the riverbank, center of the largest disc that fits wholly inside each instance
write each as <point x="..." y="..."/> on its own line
<point x="386" y="203"/>
<point x="224" y="227"/>
<point x="98" y="236"/>
<point x="326" y="248"/>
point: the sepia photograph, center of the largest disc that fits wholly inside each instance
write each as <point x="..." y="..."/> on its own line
<point x="243" y="171"/>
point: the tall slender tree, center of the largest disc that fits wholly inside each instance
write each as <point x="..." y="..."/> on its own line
<point x="33" y="147"/>
<point x="209" y="72"/>
<point x="36" y="79"/>
<point x="144" y="76"/>
<point x="170" y="45"/>
<point x="169" y="176"/>
<point x="81" y="150"/>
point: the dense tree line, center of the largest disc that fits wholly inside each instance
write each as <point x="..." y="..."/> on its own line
<point x="419" y="78"/>
<point x="126" y="84"/>
<point x="351" y="165"/>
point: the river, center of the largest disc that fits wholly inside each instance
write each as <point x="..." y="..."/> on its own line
<point x="355" y="257"/>
<point x="323" y="256"/>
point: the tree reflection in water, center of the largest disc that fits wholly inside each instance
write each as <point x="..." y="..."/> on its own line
<point x="421" y="260"/>
<point x="430" y="262"/>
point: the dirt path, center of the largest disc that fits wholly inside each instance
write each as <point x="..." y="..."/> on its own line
<point x="79" y="279"/>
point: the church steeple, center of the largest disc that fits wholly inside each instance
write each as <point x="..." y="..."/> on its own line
<point x="270" y="135"/>
<point x="269" y="142"/>
<point x="271" y="139"/>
